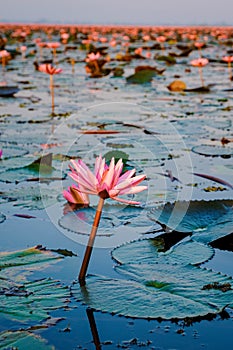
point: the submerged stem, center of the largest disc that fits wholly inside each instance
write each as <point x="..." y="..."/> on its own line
<point x="90" y="244"/>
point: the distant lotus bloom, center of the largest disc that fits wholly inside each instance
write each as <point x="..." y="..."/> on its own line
<point x="105" y="182"/>
<point x="161" y="39"/>
<point x="74" y="196"/>
<point x="199" y="45"/>
<point x="49" y="69"/>
<point x="53" y="46"/>
<point x="0" y="153"/>
<point x="200" y="62"/>
<point x="228" y="59"/>
<point x="23" y="50"/>
<point x="92" y="56"/>
<point x="4" y="54"/>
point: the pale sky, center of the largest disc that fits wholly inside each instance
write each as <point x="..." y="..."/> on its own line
<point x="151" y="12"/>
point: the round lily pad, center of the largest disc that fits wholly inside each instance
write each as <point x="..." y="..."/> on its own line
<point x="213" y="151"/>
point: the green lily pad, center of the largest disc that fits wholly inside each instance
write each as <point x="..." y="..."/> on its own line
<point x="30" y="197"/>
<point x="2" y="218"/>
<point x="213" y="151"/>
<point x="9" y="151"/>
<point x="27" y="301"/>
<point x="21" y="340"/>
<point x="194" y="217"/>
<point x="141" y="77"/>
<point x="152" y="251"/>
<point x="157" y="291"/>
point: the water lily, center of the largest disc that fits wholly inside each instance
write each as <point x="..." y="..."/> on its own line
<point x="200" y="62"/>
<point x="4" y="54"/>
<point x="105" y="182"/>
<point x="49" y="69"/>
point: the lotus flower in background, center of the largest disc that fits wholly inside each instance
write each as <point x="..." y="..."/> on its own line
<point x="49" y="69"/>
<point x="105" y="182"/>
<point x="200" y="62"/>
<point x="4" y="54"/>
<point x="228" y="59"/>
<point x="53" y="46"/>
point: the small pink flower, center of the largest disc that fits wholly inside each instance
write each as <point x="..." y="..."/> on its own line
<point x="23" y="48"/>
<point x="4" y="53"/>
<point x="0" y="153"/>
<point x="73" y="195"/>
<point x="49" y="69"/>
<point x="161" y="39"/>
<point x="106" y="181"/>
<point x="53" y="45"/>
<point x="198" y="45"/>
<point x="199" y="62"/>
<point x="228" y="59"/>
<point x="92" y="57"/>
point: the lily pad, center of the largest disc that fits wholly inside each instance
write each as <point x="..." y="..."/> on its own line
<point x="30" y="197"/>
<point x="194" y="217"/>
<point x="157" y="291"/>
<point x="24" y="300"/>
<point x="8" y="91"/>
<point x="9" y="151"/>
<point x="141" y="77"/>
<point x="213" y="151"/>
<point x="2" y="218"/>
<point x="21" y="340"/>
<point x="151" y="251"/>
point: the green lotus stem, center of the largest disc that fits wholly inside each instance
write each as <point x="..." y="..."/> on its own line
<point x="87" y="255"/>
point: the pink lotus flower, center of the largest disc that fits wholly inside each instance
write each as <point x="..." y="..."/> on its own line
<point x="107" y="181"/>
<point x="53" y="45"/>
<point x="228" y="59"/>
<point x="49" y="69"/>
<point x="92" y="57"/>
<point x="200" y="62"/>
<point x="0" y="153"/>
<point x="73" y="195"/>
<point x="4" y="53"/>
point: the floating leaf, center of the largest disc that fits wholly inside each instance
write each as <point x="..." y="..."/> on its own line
<point x="213" y="151"/>
<point x="2" y="218"/>
<point x="141" y="77"/>
<point x="194" y="216"/>
<point x="21" y="340"/>
<point x="24" y="300"/>
<point x="157" y="291"/>
<point x="9" y="151"/>
<point x="153" y="251"/>
<point x="30" y="197"/>
<point x="8" y="90"/>
<point x="30" y="256"/>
